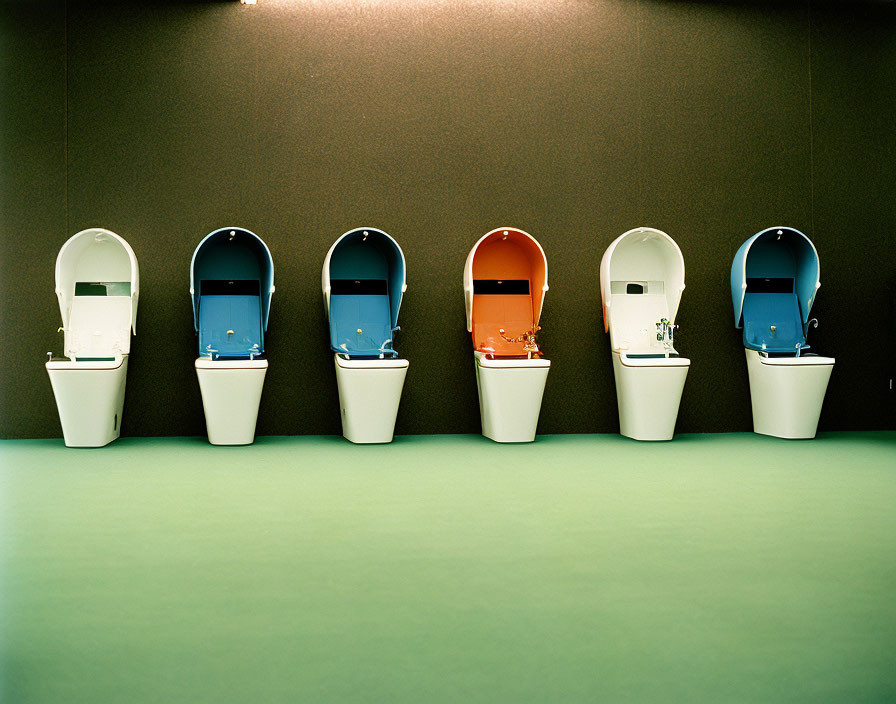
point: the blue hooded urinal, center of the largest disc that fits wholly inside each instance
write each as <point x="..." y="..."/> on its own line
<point x="363" y="281"/>
<point x="231" y="283"/>
<point x="774" y="280"/>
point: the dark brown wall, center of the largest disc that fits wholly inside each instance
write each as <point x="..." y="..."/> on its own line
<point x="32" y="207"/>
<point x="575" y="120"/>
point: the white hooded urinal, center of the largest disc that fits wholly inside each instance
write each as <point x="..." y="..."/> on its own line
<point x="231" y="282"/>
<point x="505" y="279"/>
<point x="363" y="282"/>
<point x="641" y="280"/>
<point x="97" y="284"/>
<point x="774" y="278"/>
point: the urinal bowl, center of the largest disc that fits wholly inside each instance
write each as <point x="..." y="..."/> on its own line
<point x="369" y="393"/>
<point x="510" y="393"/>
<point x="231" y="394"/>
<point x="648" y="393"/>
<point x="787" y="393"/>
<point x="90" y="399"/>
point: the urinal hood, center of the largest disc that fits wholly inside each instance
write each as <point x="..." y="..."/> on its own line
<point x="366" y="253"/>
<point x="97" y="285"/>
<point x="777" y="252"/>
<point x="641" y="261"/>
<point x="233" y="253"/>
<point x="506" y="253"/>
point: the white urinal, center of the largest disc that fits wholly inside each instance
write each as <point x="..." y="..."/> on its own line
<point x="505" y="280"/>
<point x="97" y="285"/>
<point x="648" y="394"/>
<point x="774" y="279"/>
<point x="369" y="395"/>
<point x="90" y="399"/>
<point x="231" y="396"/>
<point x="231" y="282"/>
<point x="363" y="282"/>
<point x="510" y="394"/>
<point x="642" y="278"/>
<point x="786" y="393"/>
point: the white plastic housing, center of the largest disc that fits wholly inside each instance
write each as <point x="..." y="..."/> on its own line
<point x="97" y="326"/>
<point x="641" y="281"/>
<point x="787" y="393"/>
<point x="510" y="393"/>
<point x="648" y="392"/>
<point x="90" y="399"/>
<point x="650" y="258"/>
<point x="369" y="394"/>
<point x="231" y="395"/>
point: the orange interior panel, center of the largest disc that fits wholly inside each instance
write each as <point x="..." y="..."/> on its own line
<point x="516" y="257"/>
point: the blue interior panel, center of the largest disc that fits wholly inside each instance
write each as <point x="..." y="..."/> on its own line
<point x="774" y="255"/>
<point x="233" y="264"/>
<point x="368" y="313"/>
<point x="220" y="313"/>
<point x="762" y="311"/>
<point x="366" y="270"/>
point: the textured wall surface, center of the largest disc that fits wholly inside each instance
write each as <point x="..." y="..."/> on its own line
<point x="438" y="120"/>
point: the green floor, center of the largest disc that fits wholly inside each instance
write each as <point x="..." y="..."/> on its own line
<point x="713" y="568"/>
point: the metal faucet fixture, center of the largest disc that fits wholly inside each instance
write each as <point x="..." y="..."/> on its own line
<point x="665" y="333"/>
<point x="530" y="346"/>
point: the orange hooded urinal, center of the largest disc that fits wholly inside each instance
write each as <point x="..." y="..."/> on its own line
<point x="505" y="279"/>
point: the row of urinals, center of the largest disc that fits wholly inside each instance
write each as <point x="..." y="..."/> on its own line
<point x="774" y="278"/>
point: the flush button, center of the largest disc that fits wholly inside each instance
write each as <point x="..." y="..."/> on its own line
<point x="359" y="331"/>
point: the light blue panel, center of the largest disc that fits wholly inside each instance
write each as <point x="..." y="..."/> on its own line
<point x="228" y="254"/>
<point x="376" y="257"/>
<point x="778" y="252"/>
<point x="738" y="268"/>
<point x="358" y="258"/>
<point x="397" y="275"/>
<point x="367" y="313"/>
<point x="219" y="314"/>
<point x="762" y="311"/>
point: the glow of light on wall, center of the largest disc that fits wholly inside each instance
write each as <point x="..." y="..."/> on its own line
<point x="475" y="3"/>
